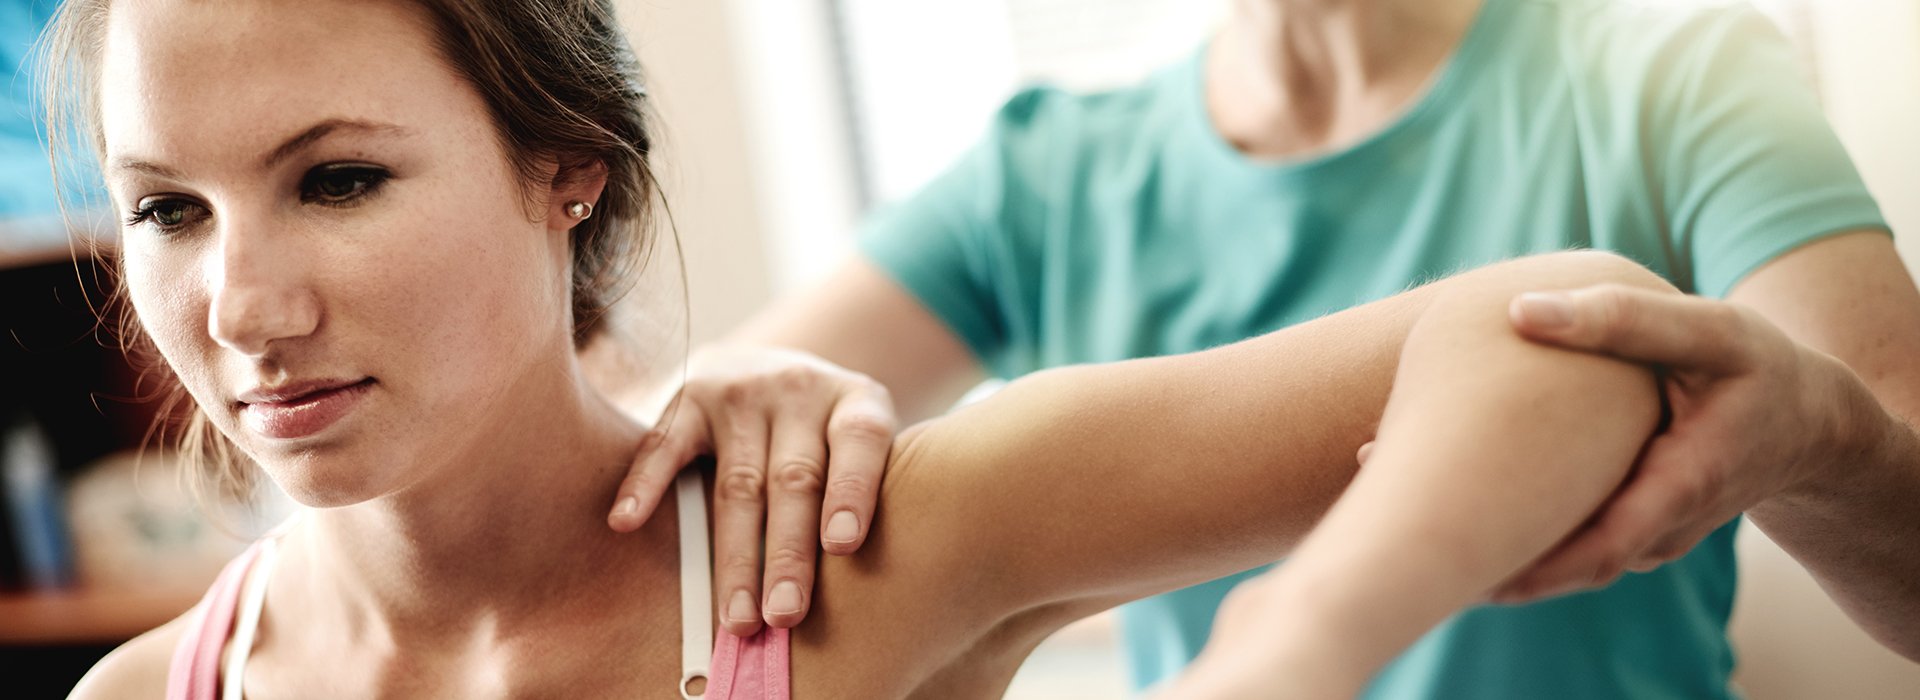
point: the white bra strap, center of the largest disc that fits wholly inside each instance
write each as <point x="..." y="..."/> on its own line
<point x="696" y="582"/>
<point x="252" y="597"/>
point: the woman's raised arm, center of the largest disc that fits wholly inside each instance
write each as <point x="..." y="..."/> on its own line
<point x="1076" y="489"/>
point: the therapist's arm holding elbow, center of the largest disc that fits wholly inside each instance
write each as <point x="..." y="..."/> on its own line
<point x="1790" y="402"/>
<point x="1793" y="402"/>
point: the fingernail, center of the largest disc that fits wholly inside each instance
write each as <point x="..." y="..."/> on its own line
<point x="741" y="608"/>
<point x="785" y="599"/>
<point x="1546" y="310"/>
<point x="843" y="527"/>
<point x="627" y="506"/>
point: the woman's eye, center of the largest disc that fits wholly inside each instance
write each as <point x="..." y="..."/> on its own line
<point x="339" y="185"/>
<point x="166" y="214"/>
<point x="171" y="214"/>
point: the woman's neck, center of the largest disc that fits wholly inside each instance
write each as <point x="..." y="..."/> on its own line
<point x="1292" y="76"/>
<point x="503" y="528"/>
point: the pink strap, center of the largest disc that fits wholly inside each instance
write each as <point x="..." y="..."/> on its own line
<point x="755" y="668"/>
<point x="195" y="672"/>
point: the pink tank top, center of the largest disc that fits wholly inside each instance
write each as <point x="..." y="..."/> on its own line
<point x="210" y="659"/>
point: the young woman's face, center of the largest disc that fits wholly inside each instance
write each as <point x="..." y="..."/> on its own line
<point x="324" y="236"/>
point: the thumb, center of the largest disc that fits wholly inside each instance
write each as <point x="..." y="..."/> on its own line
<point x="1677" y="331"/>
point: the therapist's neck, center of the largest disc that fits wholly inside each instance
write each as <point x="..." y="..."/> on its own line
<point x="1290" y="77"/>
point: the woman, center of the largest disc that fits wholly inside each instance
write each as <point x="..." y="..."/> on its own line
<point x="369" y="254"/>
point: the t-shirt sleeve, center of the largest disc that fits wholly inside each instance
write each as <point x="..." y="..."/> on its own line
<point x="1750" y="167"/>
<point x="939" y="244"/>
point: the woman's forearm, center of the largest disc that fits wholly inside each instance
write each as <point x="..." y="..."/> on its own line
<point x="1490" y="451"/>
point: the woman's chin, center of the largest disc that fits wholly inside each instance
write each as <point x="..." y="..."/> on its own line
<point x="327" y="478"/>
<point x="324" y="497"/>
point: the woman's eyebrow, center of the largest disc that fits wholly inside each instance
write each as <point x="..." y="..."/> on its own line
<point x="285" y="150"/>
<point x="154" y="169"/>
<point x="321" y="130"/>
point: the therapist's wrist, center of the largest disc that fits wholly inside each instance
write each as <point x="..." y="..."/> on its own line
<point x="1859" y="443"/>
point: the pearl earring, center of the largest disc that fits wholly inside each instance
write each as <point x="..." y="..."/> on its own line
<point x="580" y="210"/>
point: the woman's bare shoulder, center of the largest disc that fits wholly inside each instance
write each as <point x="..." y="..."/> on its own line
<point x="138" y="669"/>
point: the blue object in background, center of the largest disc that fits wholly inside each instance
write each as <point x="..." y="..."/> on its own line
<point x="26" y="185"/>
<point x="35" y="506"/>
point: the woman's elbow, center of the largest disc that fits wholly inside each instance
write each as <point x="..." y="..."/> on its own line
<point x="1471" y="328"/>
<point x="1591" y="268"/>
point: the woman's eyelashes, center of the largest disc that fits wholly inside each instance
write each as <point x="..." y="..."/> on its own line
<point x="338" y="185"/>
<point x="166" y="213"/>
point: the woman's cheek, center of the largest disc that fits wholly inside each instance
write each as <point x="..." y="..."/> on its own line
<point x="165" y="290"/>
<point x="479" y="275"/>
<point x="162" y="288"/>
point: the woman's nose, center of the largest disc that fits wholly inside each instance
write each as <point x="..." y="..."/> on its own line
<point x="261" y="293"/>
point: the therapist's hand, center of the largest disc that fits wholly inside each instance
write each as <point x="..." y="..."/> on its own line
<point x="800" y="446"/>
<point x="1753" y="414"/>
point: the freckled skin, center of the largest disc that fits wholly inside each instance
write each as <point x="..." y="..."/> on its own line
<point x="440" y="285"/>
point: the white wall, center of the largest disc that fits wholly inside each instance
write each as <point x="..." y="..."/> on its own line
<point x="706" y="167"/>
<point x="1870" y="72"/>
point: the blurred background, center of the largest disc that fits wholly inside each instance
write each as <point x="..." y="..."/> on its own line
<point x="784" y="122"/>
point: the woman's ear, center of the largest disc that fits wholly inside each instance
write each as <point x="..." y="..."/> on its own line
<point x="576" y="191"/>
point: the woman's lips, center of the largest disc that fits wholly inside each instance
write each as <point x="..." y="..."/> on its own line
<point x="303" y="415"/>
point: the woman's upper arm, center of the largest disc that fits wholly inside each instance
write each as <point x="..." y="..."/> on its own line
<point x="1075" y="489"/>
<point x="138" y="669"/>
<point x="1098" y="484"/>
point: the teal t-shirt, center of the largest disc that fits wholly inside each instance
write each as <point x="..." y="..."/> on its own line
<point x="1093" y="228"/>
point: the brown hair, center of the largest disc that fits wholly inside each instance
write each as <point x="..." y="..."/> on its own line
<point x="562" y="86"/>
